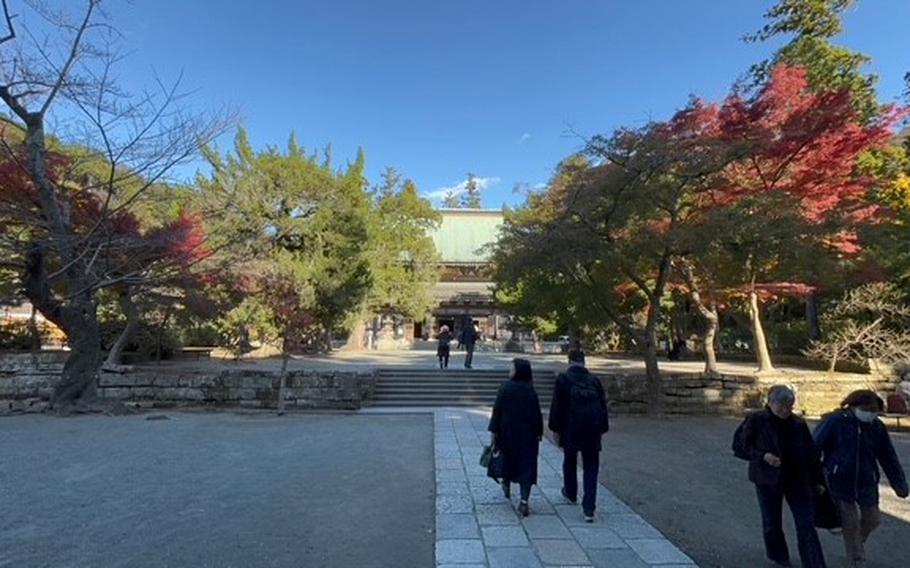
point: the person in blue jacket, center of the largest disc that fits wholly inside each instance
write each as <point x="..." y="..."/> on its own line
<point x="854" y="443"/>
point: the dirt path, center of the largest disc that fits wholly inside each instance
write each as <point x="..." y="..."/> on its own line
<point x="680" y="475"/>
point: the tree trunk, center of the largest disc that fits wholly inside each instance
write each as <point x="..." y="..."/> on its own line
<point x="815" y="331"/>
<point x="283" y="378"/>
<point x="115" y="355"/>
<point x="758" y="335"/>
<point x="34" y="334"/>
<point x="327" y="339"/>
<point x="357" y="337"/>
<point x="160" y="335"/>
<point x="78" y="318"/>
<point x="708" y="313"/>
<point x="652" y="373"/>
<point x="712" y="323"/>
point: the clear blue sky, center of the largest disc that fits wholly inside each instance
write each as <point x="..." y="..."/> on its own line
<point x="439" y="88"/>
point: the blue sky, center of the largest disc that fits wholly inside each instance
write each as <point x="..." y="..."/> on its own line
<point x="500" y="88"/>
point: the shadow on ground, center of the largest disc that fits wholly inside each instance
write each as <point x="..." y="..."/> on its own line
<point x="217" y="490"/>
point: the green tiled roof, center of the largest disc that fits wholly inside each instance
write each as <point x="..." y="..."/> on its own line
<point x="463" y="232"/>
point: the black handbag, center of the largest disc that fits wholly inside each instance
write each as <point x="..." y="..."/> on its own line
<point x="492" y="459"/>
<point x="826" y="514"/>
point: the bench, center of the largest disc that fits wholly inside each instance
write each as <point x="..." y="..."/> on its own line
<point x="896" y="410"/>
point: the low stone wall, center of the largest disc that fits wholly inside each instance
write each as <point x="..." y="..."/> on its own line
<point x="817" y="393"/>
<point x="27" y="381"/>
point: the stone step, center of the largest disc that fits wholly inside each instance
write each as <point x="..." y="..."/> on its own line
<point x="455" y="382"/>
<point x="449" y="387"/>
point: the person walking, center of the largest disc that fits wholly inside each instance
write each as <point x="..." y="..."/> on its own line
<point x="579" y="419"/>
<point x="854" y="443"/>
<point x="516" y="429"/>
<point x="576" y="351"/>
<point x="468" y="339"/>
<point x="784" y="463"/>
<point x="443" y="348"/>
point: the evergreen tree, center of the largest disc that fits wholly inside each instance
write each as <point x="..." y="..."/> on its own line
<point x="471" y="199"/>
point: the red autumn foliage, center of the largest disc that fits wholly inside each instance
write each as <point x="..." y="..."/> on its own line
<point x="801" y="143"/>
<point x="125" y="246"/>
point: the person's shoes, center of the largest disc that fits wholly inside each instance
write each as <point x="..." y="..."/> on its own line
<point x="573" y="501"/>
<point x="523" y="509"/>
<point x="589" y="517"/>
<point x="506" y="489"/>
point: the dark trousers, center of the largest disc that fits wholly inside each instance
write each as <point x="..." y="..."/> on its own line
<point x="469" y="355"/>
<point x="444" y="361"/>
<point x="590" y="464"/>
<point x="524" y="488"/>
<point x="771" y="502"/>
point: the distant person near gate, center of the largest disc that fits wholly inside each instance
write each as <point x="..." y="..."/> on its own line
<point x="442" y="351"/>
<point x="468" y="339"/>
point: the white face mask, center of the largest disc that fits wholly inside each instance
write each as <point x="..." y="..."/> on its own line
<point x="864" y="415"/>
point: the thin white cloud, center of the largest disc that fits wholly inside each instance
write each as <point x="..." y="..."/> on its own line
<point x="524" y="138"/>
<point x="540" y="185"/>
<point x="459" y="188"/>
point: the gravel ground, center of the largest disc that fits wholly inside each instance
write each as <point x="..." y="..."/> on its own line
<point x="217" y="490"/>
<point x="680" y="475"/>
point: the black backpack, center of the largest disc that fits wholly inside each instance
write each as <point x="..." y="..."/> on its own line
<point x="586" y="405"/>
<point x="739" y="441"/>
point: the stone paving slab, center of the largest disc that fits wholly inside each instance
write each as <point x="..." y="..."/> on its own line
<point x="477" y="527"/>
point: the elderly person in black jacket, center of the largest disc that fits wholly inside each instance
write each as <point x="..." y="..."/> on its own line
<point x="854" y="442"/>
<point x="784" y="464"/>
<point x="516" y="428"/>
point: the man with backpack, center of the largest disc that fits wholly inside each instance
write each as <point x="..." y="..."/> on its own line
<point x="579" y="418"/>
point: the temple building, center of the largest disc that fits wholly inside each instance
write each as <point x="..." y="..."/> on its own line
<point x="464" y="290"/>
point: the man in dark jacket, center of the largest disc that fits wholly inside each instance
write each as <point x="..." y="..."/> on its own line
<point x="784" y="463"/>
<point x="468" y="339"/>
<point x="579" y="418"/>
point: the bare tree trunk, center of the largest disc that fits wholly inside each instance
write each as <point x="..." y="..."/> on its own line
<point x="33" y="331"/>
<point x="78" y="319"/>
<point x="652" y="372"/>
<point x="709" y="314"/>
<point x="283" y="377"/>
<point x="357" y="337"/>
<point x="712" y="324"/>
<point x="160" y="335"/>
<point x="758" y="335"/>
<point x="131" y="311"/>
<point x="815" y="331"/>
<point x="328" y="338"/>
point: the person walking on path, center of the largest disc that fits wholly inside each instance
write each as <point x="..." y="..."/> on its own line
<point x="443" y="349"/>
<point x="576" y="352"/>
<point x="516" y="429"/>
<point x="784" y="463"/>
<point x="853" y="443"/>
<point x="579" y="419"/>
<point x="468" y="339"/>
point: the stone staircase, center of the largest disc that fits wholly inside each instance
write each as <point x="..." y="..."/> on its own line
<point x="451" y="387"/>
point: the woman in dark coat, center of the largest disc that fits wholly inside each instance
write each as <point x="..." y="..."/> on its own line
<point x="854" y="443"/>
<point x="516" y="430"/>
<point x="442" y="351"/>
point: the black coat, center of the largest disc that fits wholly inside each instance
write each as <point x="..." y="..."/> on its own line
<point x="570" y="436"/>
<point x="518" y="425"/>
<point x="444" y="338"/>
<point x="852" y="452"/>
<point x="761" y="435"/>
<point x="468" y="336"/>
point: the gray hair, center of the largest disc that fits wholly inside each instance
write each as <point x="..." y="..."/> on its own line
<point x="781" y="394"/>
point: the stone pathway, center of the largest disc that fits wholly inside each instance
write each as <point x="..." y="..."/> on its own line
<point x="476" y="527"/>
